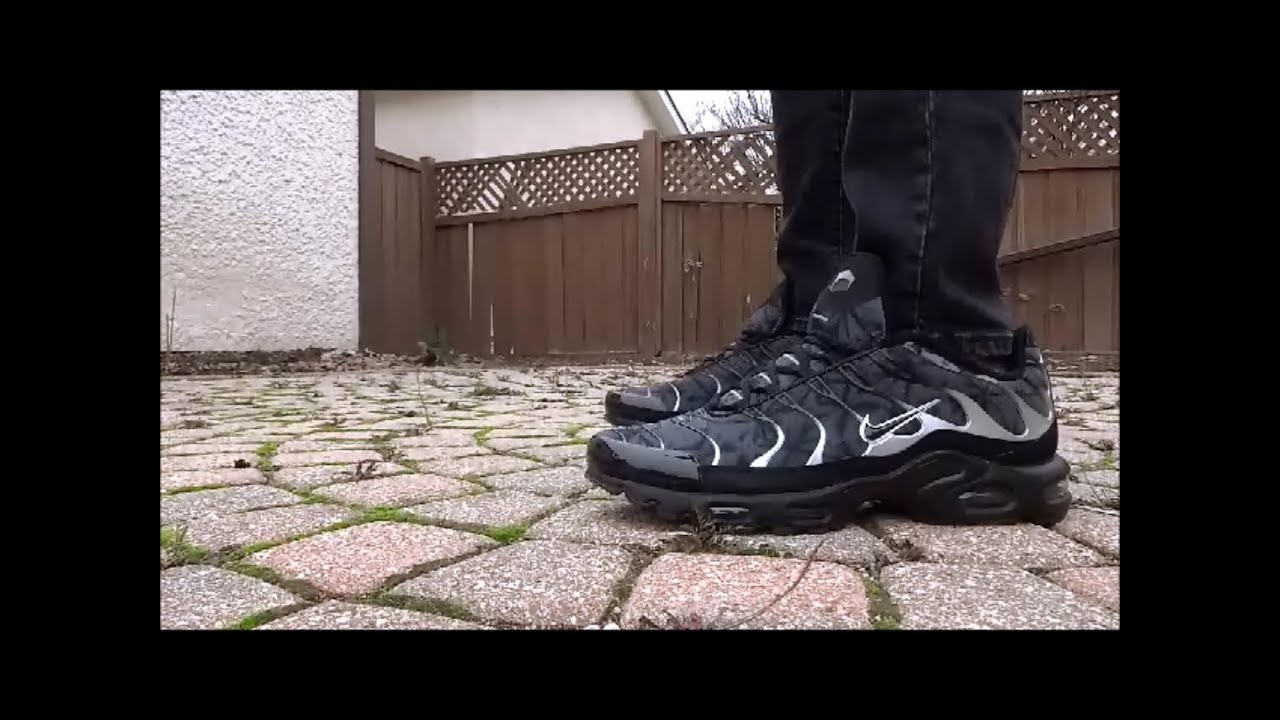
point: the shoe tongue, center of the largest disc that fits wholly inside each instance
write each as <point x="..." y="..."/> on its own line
<point x="849" y="314"/>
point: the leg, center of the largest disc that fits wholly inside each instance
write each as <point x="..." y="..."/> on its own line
<point x="873" y="406"/>
<point x="818" y="228"/>
<point x="809" y="128"/>
<point x="931" y="176"/>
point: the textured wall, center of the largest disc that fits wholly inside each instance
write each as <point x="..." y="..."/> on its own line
<point x="259" y="224"/>
<point x="460" y="124"/>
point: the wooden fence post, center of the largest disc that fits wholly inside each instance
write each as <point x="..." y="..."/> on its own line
<point x="370" y="228"/>
<point x="649" y="288"/>
<point x="433" y="289"/>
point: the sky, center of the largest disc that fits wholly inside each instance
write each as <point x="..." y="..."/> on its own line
<point x="686" y="101"/>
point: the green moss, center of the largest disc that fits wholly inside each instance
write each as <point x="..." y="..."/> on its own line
<point x="181" y="552"/>
<point x="445" y="608"/>
<point x="389" y="514"/>
<point x="506" y="534"/>
<point x="884" y="613"/>
<point x="574" y="429"/>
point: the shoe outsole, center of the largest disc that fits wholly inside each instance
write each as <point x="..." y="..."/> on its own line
<point x="940" y="488"/>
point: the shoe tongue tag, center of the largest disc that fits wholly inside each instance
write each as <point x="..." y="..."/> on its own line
<point x="849" y="314"/>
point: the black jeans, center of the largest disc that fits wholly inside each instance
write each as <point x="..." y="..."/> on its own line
<point x="924" y="180"/>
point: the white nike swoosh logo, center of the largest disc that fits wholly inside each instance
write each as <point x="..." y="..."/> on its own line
<point x="882" y="429"/>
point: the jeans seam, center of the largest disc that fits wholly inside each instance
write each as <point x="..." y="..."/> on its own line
<point x="928" y="206"/>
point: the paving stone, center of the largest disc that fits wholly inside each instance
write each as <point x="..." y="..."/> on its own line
<point x="493" y="509"/>
<point x="969" y="597"/>
<point x="346" y="435"/>
<point x="477" y="466"/>
<point x="540" y="584"/>
<point x="438" y="454"/>
<point x="1094" y="495"/>
<point x="207" y="478"/>
<point x="200" y="503"/>
<point x="504" y="419"/>
<point x="201" y="597"/>
<point x="1102" y="478"/>
<point x="723" y="590"/>
<point x="396" y="490"/>
<point x="850" y="546"/>
<point x="1101" y="585"/>
<point x="562" y="481"/>
<point x="177" y="437"/>
<point x="313" y="476"/>
<point x="525" y="432"/>
<point x="221" y="532"/>
<point x="338" y="615"/>
<point x="597" y="493"/>
<point x="307" y="445"/>
<point x="210" y="448"/>
<point x="612" y="522"/>
<point x="189" y="463"/>
<point x="328" y="457"/>
<point x="438" y="437"/>
<point x="558" y="455"/>
<point x="360" y="559"/>
<point x="1022" y="546"/>
<point x="1100" y="531"/>
<point x="506" y="444"/>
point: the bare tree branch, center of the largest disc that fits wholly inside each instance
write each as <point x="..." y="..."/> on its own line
<point x="742" y="108"/>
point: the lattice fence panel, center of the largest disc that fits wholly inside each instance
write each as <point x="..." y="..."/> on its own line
<point x="1084" y="125"/>
<point x="537" y="183"/>
<point x="732" y="164"/>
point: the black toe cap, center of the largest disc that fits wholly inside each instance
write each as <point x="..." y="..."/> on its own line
<point x="609" y="454"/>
<point x="633" y="406"/>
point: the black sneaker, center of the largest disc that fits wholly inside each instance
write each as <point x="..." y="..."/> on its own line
<point x="845" y="418"/>
<point x="767" y="332"/>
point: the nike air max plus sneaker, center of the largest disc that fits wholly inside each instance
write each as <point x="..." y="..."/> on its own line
<point x="769" y="330"/>
<point x="845" y="418"/>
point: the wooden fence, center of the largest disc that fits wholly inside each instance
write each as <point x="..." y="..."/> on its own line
<point x="663" y="246"/>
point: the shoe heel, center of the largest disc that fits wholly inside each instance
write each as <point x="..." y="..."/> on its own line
<point x="986" y="493"/>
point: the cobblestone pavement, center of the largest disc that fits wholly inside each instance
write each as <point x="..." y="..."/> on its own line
<point x="455" y="499"/>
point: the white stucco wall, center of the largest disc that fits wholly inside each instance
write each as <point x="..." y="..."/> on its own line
<point x="460" y="124"/>
<point x="259" y="224"/>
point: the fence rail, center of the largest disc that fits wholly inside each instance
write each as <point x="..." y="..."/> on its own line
<point x="663" y="245"/>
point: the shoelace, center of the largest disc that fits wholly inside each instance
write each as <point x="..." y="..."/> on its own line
<point x="743" y="346"/>
<point x="799" y="363"/>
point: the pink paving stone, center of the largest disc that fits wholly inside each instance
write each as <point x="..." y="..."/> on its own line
<point x="1023" y="546"/>
<point x="437" y="454"/>
<point x="338" y="615"/>
<point x="396" y="490"/>
<point x="361" y="559"/>
<point x="210" y="478"/>
<point x="539" y="584"/>
<point x="313" y="476"/>
<point x="1098" y="530"/>
<point x="478" y="466"/>
<point x="1102" y="585"/>
<point x="189" y="463"/>
<point x="329" y="457"/>
<point x="722" y="590"/>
